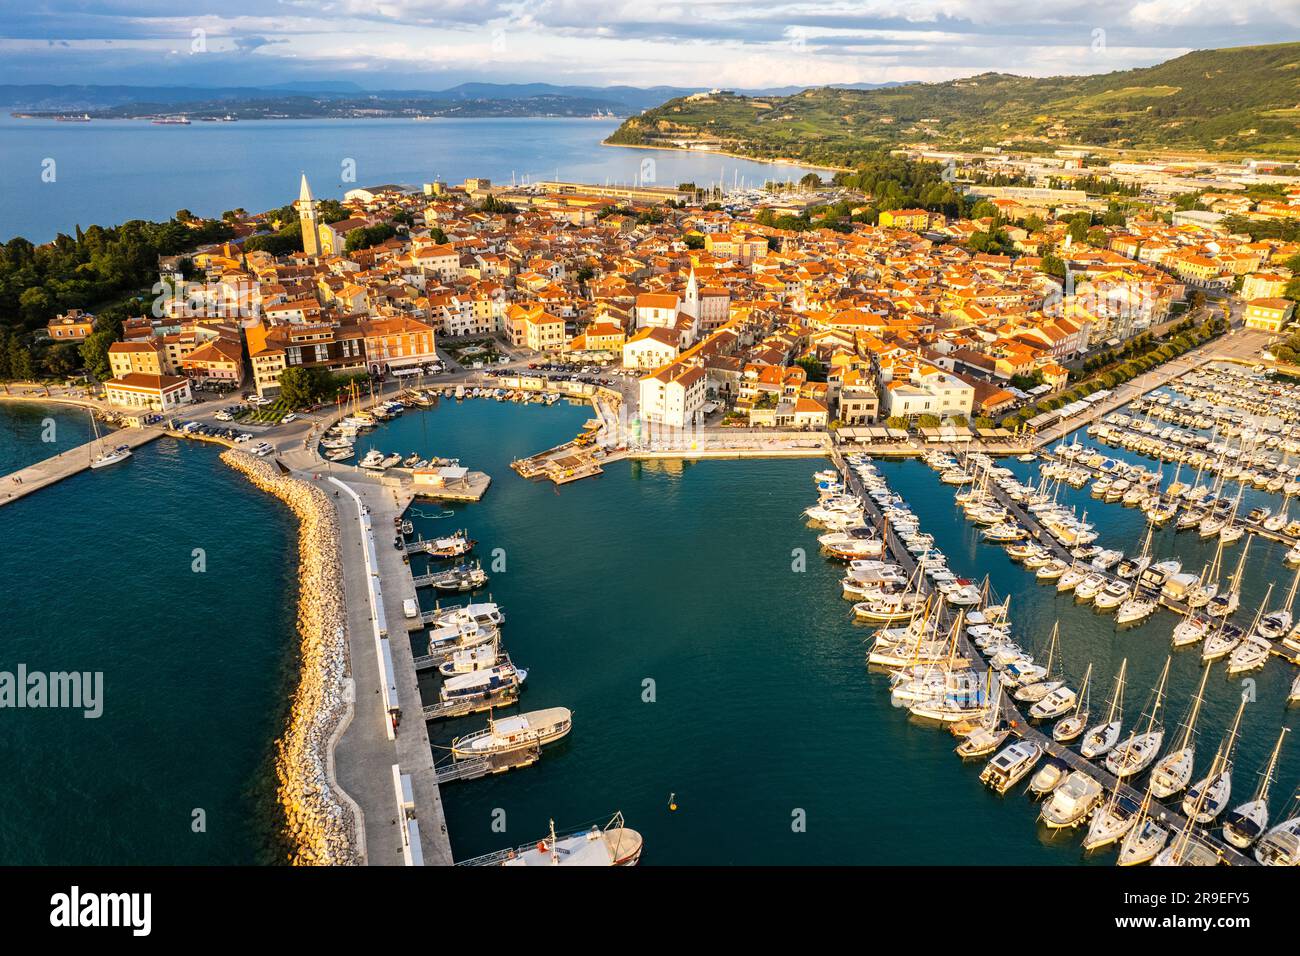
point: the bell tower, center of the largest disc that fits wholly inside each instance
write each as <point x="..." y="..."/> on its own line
<point x="308" y="215"/>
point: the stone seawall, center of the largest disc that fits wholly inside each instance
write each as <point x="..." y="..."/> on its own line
<point x="321" y="827"/>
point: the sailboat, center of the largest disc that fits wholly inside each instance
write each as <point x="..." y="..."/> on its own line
<point x="1275" y="624"/>
<point x="1144" y="839"/>
<point x="1207" y="798"/>
<point x="1222" y="605"/>
<point x="1068" y="728"/>
<point x="989" y="735"/>
<point x="1137" y="752"/>
<point x="1102" y="738"/>
<point x="1244" y="825"/>
<point x="1032" y="693"/>
<point x="1174" y="771"/>
<point x="1280" y="846"/>
<point x="101" y="457"/>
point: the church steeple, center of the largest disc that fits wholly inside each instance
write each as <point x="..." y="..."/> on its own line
<point x="308" y="215"/>
<point x="692" y="304"/>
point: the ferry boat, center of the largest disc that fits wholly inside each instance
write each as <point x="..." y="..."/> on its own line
<point x="615" y="844"/>
<point x="506" y="734"/>
<point x="489" y="682"/>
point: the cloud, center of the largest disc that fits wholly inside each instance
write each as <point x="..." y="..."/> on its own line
<point x="739" y="43"/>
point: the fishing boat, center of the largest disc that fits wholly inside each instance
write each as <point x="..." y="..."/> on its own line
<point x="1071" y="802"/>
<point x="1138" y="752"/>
<point x="1208" y="797"/>
<point x="1010" y="765"/>
<point x="507" y="734"/>
<point x="463" y="577"/>
<point x="489" y="682"/>
<point x="1102" y="738"/>
<point x="614" y="844"/>
<point x="485" y="614"/>
<point x="452" y="546"/>
<point x="1174" y="770"/>
<point x="1245" y="824"/>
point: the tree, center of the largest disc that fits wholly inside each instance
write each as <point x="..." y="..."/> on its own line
<point x="300" y="387"/>
<point x="94" y="352"/>
<point x="928" y="421"/>
<point x="20" y="360"/>
<point x="896" y="421"/>
<point x="810" y="181"/>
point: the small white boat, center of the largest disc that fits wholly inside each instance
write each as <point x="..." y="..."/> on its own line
<point x="1143" y="841"/>
<point x="1049" y="776"/>
<point x="1010" y="765"/>
<point x="1247" y="823"/>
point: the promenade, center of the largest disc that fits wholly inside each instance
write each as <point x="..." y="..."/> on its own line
<point x="65" y="464"/>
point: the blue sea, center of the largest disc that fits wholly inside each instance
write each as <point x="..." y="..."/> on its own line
<point x="60" y="175"/>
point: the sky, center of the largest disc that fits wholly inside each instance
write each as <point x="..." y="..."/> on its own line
<point x="734" y="44"/>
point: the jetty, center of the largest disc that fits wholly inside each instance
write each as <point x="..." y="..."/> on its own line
<point x="1016" y="720"/>
<point x="23" y="482"/>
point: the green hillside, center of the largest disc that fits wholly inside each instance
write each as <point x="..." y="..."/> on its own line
<point x="1242" y="100"/>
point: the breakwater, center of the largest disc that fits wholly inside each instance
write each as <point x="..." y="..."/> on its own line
<point x="321" y="828"/>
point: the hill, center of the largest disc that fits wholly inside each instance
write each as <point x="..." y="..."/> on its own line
<point x="1242" y="100"/>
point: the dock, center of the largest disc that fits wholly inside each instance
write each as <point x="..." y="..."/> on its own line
<point x="23" y="482"/>
<point x="1020" y="725"/>
<point x="478" y="767"/>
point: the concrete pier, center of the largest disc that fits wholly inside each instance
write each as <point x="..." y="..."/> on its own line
<point x="25" y="481"/>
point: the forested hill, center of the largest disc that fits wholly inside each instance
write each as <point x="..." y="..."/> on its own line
<point x="1241" y="100"/>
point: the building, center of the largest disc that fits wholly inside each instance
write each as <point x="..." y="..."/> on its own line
<point x="309" y="216"/>
<point x="162" y="393"/>
<point x="657" y="310"/>
<point x="650" y="348"/>
<point x="329" y="348"/>
<point x="674" y="396"/>
<point x="398" y="342"/>
<point x="220" y="360"/>
<point x="144" y="356"/>
<point x="914" y="219"/>
<point x="72" y="326"/>
<point x="1268" y="315"/>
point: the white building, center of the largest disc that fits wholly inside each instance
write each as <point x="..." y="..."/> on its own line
<point x="674" y="396"/>
<point x="162" y="393"/>
<point x="650" y="348"/>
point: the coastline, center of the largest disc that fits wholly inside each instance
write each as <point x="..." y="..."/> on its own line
<point x="320" y="821"/>
<point x="780" y="161"/>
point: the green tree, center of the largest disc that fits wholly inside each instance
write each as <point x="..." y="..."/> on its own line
<point x="301" y="387"/>
<point x="94" y="353"/>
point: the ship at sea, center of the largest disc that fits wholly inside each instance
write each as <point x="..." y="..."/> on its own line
<point x="172" y="121"/>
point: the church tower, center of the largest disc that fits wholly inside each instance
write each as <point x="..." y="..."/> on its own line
<point x="308" y="215"/>
<point x="692" y="304"/>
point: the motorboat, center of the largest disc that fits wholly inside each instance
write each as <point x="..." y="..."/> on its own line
<point x="484" y="614"/>
<point x="1112" y="596"/>
<point x="463" y="577"/>
<point x="1071" y="802"/>
<point x="1049" y="776"/>
<point x="1089" y="588"/>
<point x="1010" y="765"/>
<point x="1070" y="579"/>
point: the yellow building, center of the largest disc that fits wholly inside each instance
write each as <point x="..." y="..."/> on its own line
<point x="905" y="219"/>
<point x="1268" y="315"/>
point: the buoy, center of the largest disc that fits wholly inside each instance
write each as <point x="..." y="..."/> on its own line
<point x="672" y="801"/>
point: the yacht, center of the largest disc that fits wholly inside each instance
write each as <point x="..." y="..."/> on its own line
<point x="1010" y="765"/>
<point x="517" y="732"/>
<point x="485" y="614"/>
<point x="1190" y="630"/>
<point x="1102" y="738"/>
<point x="859" y="544"/>
<point x="1089" y="588"/>
<point x="468" y="660"/>
<point x="1144" y="839"/>
<point x="1208" y="797"/>
<point x="463" y="577"/>
<point x="1069" y="728"/>
<point x="1070" y="579"/>
<point x="1138" y="752"/>
<point x="373" y="460"/>
<point x="1135" y="610"/>
<point x="1112" y="596"/>
<point x="1251" y="654"/>
<point x="1113" y="819"/>
<point x="1245" y="824"/>
<point x="1281" y="845"/>
<point x="1174" y="770"/>
<point x="1071" y="802"/>
<point x="102" y="457"/>
<point x="1220" y="642"/>
<point x="614" y="844"/>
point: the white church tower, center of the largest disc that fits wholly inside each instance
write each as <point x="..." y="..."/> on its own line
<point x="309" y="216"/>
